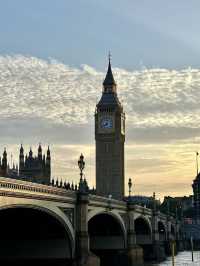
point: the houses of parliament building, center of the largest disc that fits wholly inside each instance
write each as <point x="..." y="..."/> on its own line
<point x="31" y="168"/>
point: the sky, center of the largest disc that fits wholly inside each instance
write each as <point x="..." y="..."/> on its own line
<point x="53" y="59"/>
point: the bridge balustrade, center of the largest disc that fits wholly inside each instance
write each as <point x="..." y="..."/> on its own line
<point x="142" y="210"/>
<point x="20" y="185"/>
<point x="109" y="203"/>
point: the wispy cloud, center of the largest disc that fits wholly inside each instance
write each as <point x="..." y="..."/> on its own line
<point x="31" y="87"/>
<point x="54" y="103"/>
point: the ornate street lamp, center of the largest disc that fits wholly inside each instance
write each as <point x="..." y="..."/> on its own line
<point x="154" y="201"/>
<point x="129" y="186"/>
<point x="83" y="185"/>
<point x="81" y="165"/>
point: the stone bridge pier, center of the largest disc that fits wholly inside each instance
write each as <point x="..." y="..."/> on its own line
<point x="159" y="238"/>
<point x="134" y="251"/>
<point x="152" y="233"/>
<point x="103" y="238"/>
<point x="84" y="256"/>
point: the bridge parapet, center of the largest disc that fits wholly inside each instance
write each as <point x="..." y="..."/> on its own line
<point x="140" y="209"/>
<point x="162" y="216"/>
<point x="10" y="186"/>
<point x="99" y="201"/>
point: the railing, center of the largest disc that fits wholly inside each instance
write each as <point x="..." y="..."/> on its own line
<point x="143" y="210"/>
<point x="13" y="184"/>
<point x="107" y="201"/>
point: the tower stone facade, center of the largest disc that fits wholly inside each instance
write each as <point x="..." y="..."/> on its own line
<point x="110" y="138"/>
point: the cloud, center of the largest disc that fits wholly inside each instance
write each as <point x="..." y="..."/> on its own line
<point x="162" y="189"/>
<point x="35" y="88"/>
<point x="49" y="102"/>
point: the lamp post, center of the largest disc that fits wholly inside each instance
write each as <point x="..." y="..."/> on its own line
<point x="83" y="186"/>
<point x="129" y="187"/>
<point x="154" y="202"/>
<point x="81" y="165"/>
<point x="84" y="256"/>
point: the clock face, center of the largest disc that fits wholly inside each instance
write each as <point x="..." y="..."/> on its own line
<point x="106" y="122"/>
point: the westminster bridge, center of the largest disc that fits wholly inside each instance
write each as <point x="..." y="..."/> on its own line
<point x="46" y="222"/>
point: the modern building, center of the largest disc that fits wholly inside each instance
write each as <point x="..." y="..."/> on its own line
<point x="178" y="206"/>
<point x="110" y="138"/>
<point x="144" y="201"/>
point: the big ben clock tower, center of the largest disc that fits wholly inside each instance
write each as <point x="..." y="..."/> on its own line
<point x="110" y="138"/>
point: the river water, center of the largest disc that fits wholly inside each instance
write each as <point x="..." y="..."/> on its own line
<point x="182" y="259"/>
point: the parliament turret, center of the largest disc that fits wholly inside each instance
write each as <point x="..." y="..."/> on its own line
<point x="4" y="164"/>
<point x="48" y="163"/>
<point x="21" y="158"/>
<point x="40" y="153"/>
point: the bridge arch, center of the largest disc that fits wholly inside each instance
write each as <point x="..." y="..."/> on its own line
<point x="143" y="220"/>
<point x="40" y="213"/>
<point x="106" y="231"/>
<point x="143" y="230"/>
<point x="114" y="214"/>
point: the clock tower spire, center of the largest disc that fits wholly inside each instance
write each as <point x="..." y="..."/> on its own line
<point x="109" y="79"/>
<point x="110" y="138"/>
